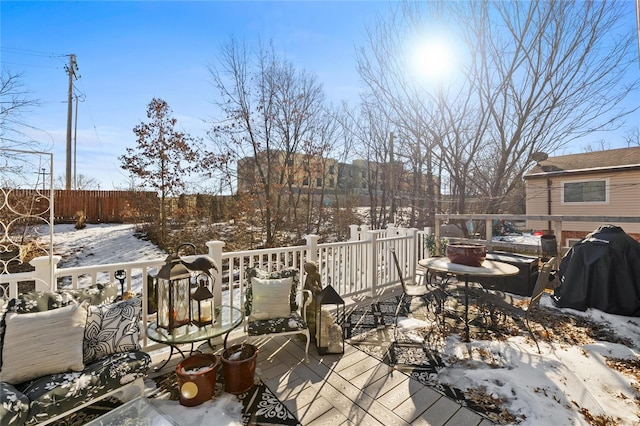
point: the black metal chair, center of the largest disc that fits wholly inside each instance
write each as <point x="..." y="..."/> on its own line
<point x="408" y="289"/>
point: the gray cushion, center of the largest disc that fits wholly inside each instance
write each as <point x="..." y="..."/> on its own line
<point x="43" y="343"/>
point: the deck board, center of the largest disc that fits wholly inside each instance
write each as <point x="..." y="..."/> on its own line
<point x="347" y="389"/>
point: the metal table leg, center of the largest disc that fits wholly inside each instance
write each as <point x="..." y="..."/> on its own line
<point x="466" y="308"/>
<point x="170" y="356"/>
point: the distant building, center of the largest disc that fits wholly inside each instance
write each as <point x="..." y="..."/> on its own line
<point x="312" y="174"/>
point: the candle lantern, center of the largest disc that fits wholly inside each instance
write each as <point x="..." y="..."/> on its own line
<point x="173" y="294"/>
<point x="202" y="312"/>
<point x="329" y="332"/>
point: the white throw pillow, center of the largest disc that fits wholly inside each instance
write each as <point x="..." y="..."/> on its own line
<point x="270" y="298"/>
<point x="43" y="343"/>
<point x="112" y="328"/>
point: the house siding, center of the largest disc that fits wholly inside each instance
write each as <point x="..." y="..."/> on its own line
<point x="623" y="199"/>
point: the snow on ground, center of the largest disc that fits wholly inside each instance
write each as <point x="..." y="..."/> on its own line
<point x="548" y="383"/>
<point x="542" y="385"/>
<point x="101" y="244"/>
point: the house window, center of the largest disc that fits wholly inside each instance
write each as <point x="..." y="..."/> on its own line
<point x="331" y="170"/>
<point x="318" y="182"/>
<point x="591" y="191"/>
<point x="305" y="181"/>
<point x="572" y="241"/>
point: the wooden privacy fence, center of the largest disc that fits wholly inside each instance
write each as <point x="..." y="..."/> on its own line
<point x="98" y="206"/>
<point x="105" y="206"/>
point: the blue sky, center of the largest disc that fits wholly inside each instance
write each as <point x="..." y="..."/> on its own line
<point x="130" y="52"/>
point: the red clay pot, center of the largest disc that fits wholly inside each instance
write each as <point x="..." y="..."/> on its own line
<point x="469" y="254"/>
<point x="197" y="378"/>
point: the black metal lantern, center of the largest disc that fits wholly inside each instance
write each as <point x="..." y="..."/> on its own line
<point x="173" y="294"/>
<point x="121" y="275"/>
<point x="202" y="312"/>
<point x="329" y="332"/>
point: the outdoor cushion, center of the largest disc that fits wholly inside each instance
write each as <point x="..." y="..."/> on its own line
<point x="261" y="273"/>
<point x="43" y="343"/>
<point x="53" y="394"/>
<point x="278" y="325"/>
<point x="112" y="328"/>
<point x="270" y="298"/>
<point x="14" y="406"/>
<point x="38" y="301"/>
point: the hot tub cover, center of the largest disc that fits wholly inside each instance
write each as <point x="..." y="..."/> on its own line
<point x="603" y="272"/>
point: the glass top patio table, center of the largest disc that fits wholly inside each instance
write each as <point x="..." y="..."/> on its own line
<point x="488" y="268"/>
<point x="137" y="412"/>
<point x="227" y="318"/>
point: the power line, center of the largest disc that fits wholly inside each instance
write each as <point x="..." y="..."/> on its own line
<point x="32" y="52"/>
<point x="29" y="65"/>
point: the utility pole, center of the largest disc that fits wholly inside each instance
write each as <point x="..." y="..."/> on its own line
<point x="71" y="70"/>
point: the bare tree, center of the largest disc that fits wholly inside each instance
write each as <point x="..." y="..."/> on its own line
<point x="539" y="75"/>
<point x="163" y="157"/>
<point x="15" y="102"/>
<point x="270" y="110"/>
<point x="82" y="182"/>
<point x="632" y="137"/>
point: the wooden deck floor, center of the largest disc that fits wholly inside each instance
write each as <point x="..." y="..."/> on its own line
<point x="353" y="388"/>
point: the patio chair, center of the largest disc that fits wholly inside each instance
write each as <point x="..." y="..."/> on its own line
<point x="275" y="305"/>
<point x="410" y="290"/>
<point x="541" y="283"/>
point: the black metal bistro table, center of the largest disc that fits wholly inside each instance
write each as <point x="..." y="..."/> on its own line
<point x="489" y="268"/>
<point x="227" y="318"/>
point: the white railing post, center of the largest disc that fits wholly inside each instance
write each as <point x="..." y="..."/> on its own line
<point x="215" y="252"/>
<point x="46" y="271"/>
<point x="353" y="232"/>
<point x="488" y="226"/>
<point x="392" y="231"/>
<point x="413" y="252"/>
<point x="372" y="265"/>
<point x="312" y="247"/>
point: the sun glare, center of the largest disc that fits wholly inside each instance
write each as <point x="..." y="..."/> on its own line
<point x="432" y="59"/>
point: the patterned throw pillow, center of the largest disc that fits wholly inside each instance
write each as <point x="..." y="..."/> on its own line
<point x="270" y="298"/>
<point x="112" y="329"/>
<point x="43" y="343"/>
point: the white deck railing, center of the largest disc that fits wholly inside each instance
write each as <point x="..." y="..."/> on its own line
<point x="361" y="266"/>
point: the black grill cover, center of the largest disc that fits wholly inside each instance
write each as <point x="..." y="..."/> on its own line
<point x="603" y="272"/>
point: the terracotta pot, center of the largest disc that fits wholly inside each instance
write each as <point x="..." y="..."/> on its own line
<point x="197" y="378"/>
<point x="469" y="254"/>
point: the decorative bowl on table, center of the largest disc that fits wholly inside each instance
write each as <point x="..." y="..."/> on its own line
<point x="470" y="254"/>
